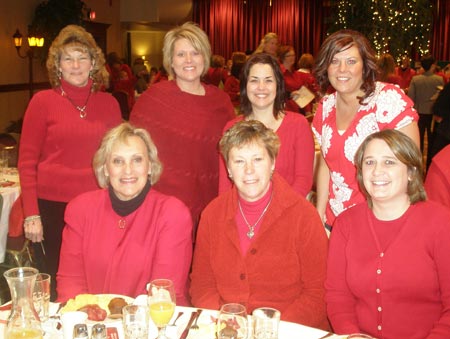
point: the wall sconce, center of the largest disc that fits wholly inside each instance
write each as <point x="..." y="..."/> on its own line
<point x="33" y="42"/>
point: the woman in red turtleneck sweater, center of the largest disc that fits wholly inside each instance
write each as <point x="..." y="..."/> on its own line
<point x="62" y="129"/>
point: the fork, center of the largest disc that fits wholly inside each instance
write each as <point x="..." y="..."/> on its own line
<point x="195" y="326"/>
<point x="178" y="317"/>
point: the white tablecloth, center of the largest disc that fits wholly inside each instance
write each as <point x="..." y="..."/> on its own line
<point x="10" y="195"/>
<point x="287" y="330"/>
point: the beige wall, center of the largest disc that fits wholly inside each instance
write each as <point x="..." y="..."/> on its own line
<point x="14" y="70"/>
<point x="146" y="39"/>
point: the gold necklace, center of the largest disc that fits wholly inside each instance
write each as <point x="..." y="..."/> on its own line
<point x="80" y="109"/>
<point x="251" y="228"/>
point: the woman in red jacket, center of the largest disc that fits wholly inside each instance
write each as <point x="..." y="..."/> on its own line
<point x="260" y="243"/>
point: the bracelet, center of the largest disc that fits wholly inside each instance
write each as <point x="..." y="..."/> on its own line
<point x="31" y="218"/>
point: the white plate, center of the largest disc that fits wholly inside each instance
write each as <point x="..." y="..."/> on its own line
<point x="103" y="301"/>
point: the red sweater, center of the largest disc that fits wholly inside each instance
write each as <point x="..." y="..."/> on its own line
<point x="97" y="256"/>
<point x="57" y="146"/>
<point x="437" y="183"/>
<point x="186" y="129"/>
<point x="284" y="267"/>
<point x="295" y="158"/>
<point x="403" y="293"/>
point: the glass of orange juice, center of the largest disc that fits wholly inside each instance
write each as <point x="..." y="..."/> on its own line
<point x="161" y="304"/>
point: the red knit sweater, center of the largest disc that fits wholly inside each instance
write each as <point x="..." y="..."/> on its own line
<point x="186" y="129"/>
<point x="57" y="146"/>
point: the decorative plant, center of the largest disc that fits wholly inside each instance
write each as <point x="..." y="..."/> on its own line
<point x="52" y="15"/>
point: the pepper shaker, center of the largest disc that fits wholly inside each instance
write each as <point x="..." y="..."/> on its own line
<point x="99" y="331"/>
<point x="80" y="331"/>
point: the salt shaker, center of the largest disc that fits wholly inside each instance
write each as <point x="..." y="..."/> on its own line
<point x="99" y="331"/>
<point x="80" y="331"/>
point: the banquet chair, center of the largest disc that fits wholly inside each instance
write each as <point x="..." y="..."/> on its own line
<point x="18" y="253"/>
<point x="122" y="99"/>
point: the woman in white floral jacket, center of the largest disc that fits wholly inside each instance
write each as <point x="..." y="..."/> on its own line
<point x="357" y="107"/>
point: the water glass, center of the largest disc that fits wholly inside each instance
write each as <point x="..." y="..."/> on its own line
<point x="232" y="322"/>
<point x="41" y="295"/>
<point x="266" y="321"/>
<point x="135" y="322"/>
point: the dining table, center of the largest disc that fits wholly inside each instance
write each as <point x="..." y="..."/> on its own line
<point x="10" y="191"/>
<point x="206" y="322"/>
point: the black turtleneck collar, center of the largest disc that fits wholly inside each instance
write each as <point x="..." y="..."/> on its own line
<point x="126" y="207"/>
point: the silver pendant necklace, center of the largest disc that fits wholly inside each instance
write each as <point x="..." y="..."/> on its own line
<point x="80" y="109"/>
<point x="251" y="228"/>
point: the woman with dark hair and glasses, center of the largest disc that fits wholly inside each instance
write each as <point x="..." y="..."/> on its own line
<point x="262" y="98"/>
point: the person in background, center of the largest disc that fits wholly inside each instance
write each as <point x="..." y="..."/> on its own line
<point x="262" y="99"/>
<point x="185" y="118"/>
<point x="232" y="84"/>
<point x="405" y="72"/>
<point x="437" y="182"/>
<point x="140" y="71"/>
<point x="441" y="130"/>
<point x="255" y="242"/>
<point x="123" y="236"/>
<point x="386" y="64"/>
<point x="421" y="90"/>
<point x="359" y="107"/>
<point x="121" y="77"/>
<point x="388" y="271"/>
<point x="268" y="44"/>
<point x="217" y="73"/>
<point x="292" y="82"/>
<point x="305" y="66"/>
<point x="62" y="129"/>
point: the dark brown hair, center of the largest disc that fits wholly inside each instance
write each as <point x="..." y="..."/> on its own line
<point x="265" y="59"/>
<point x="341" y="41"/>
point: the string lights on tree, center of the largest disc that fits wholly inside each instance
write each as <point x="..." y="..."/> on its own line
<point x="395" y="27"/>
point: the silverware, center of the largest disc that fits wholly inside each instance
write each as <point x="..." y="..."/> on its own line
<point x="195" y="326"/>
<point x="188" y="326"/>
<point x="178" y="317"/>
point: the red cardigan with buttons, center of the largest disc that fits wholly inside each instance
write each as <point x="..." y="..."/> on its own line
<point x="284" y="267"/>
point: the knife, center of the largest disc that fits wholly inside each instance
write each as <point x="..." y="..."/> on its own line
<point x="188" y="326"/>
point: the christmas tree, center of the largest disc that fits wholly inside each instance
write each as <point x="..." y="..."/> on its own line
<point x="398" y="27"/>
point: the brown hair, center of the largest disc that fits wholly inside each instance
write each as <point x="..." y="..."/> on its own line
<point x="78" y="37"/>
<point x="406" y="151"/>
<point x="341" y="41"/>
<point x="265" y="59"/>
<point x="247" y="132"/>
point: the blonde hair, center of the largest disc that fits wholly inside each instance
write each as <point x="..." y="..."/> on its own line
<point x="120" y="134"/>
<point x="267" y="38"/>
<point x="195" y="35"/>
<point x="77" y="37"/>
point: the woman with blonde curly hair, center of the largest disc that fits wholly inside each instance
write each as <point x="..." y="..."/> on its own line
<point x="126" y="229"/>
<point x="62" y="129"/>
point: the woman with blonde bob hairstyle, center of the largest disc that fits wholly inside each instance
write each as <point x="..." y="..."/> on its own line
<point x="388" y="264"/>
<point x="62" y="129"/>
<point x="126" y="229"/>
<point x="189" y="154"/>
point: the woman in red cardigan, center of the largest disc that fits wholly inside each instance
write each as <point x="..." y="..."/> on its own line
<point x="389" y="264"/>
<point x="260" y="243"/>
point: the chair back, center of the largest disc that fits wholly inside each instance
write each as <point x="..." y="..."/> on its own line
<point x="122" y="99"/>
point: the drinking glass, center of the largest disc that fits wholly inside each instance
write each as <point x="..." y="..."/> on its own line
<point x="265" y="323"/>
<point x="232" y="322"/>
<point x="161" y="302"/>
<point x="41" y="295"/>
<point x="135" y="321"/>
